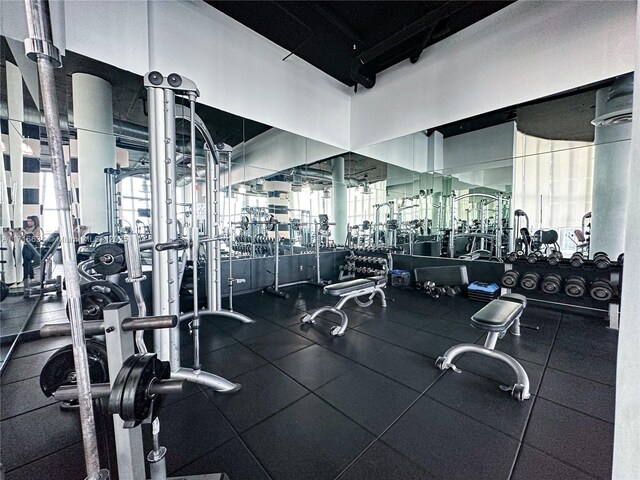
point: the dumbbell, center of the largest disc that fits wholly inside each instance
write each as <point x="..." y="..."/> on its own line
<point x="510" y="279"/>
<point x="620" y="259"/>
<point x="601" y="289"/>
<point x="512" y="257"/>
<point x="533" y="257"/>
<point x="551" y="283"/>
<point x="601" y="260"/>
<point x="530" y="281"/>
<point x="575" y="287"/>
<point x="554" y="258"/>
<point x="576" y="260"/>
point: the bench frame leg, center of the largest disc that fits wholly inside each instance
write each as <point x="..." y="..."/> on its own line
<point x="339" y="330"/>
<point x="520" y="390"/>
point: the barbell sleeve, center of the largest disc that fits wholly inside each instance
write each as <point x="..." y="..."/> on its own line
<point x="91" y="327"/>
<point x="103" y="390"/>
<point x="178" y="244"/>
<point x="131" y="324"/>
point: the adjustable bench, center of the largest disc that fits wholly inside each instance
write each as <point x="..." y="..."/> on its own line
<point x="346" y="291"/>
<point x="496" y="318"/>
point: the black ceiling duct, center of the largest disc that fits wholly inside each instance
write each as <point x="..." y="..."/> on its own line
<point x="360" y="73"/>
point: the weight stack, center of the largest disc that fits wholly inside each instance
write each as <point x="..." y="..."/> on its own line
<point x="483" y="292"/>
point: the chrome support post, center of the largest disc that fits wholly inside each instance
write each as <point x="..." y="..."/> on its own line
<point x="195" y="236"/>
<point x="39" y="47"/>
<point x="452" y="228"/>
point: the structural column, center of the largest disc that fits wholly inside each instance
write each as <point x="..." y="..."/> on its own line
<point x="93" y="119"/>
<point x="13" y="267"/>
<point x="339" y="199"/>
<point x="611" y="180"/>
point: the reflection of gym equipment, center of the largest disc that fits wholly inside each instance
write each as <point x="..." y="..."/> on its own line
<point x="46" y="282"/>
<point x="496" y="318"/>
<point x="481" y="238"/>
<point x="522" y="237"/>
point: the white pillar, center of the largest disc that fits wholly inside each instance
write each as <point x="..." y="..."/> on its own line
<point x="339" y="199"/>
<point x="14" y="271"/>
<point x="93" y="119"/>
<point x="626" y="462"/>
<point x="611" y="182"/>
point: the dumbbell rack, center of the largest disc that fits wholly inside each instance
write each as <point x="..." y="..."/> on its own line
<point x="366" y="263"/>
<point x="565" y="271"/>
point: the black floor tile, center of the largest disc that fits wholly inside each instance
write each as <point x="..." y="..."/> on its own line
<point x="539" y="329"/>
<point x="355" y="345"/>
<point x="383" y="463"/>
<point x="232" y="458"/>
<point x="307" y="440"/>
<point x="409" y="368"/>
<point x="535" y="465"/>
<point x="67" y="463"/>
<point x="264" y="392"/>
<point x="587" y="335"/>
<point x="463" y="333"/>
<point x="368" y="398"/>
<point x="25" y="367"/>
<point x="318" y="332"/>
<point x="482" y="399"/>
<point x="584" y="365"/>
<point x="24" y="349"/>
<point x="580" y="394"/>
<point x="246" y="331"/>
<point x="231" y="361"/>
<point x="451" y="445"/>
<point x="406" y="317"/>
<point x="499" y="371"/>
<point x="355" y="317"/>
<point x="192" y="427"/>
<point x="278" y="344"/>
<point x="21" y="397"/>
<point x="573" y="437"/>
<point x="314" y="366"/>
<point x="283" y="317"/>
<point x="212" y="339"/>
<point x="31" y="436"/>
<point x="417" y="341"/>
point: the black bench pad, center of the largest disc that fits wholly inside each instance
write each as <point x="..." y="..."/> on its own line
<point x="379" y="280"/>
<point x="514" y="297"/>
<point x="341" y="288"/>
<point x="496" y="316"/>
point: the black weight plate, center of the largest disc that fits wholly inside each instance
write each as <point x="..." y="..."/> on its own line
<point x="109" y="259"/>
<point x="116" y="292"/>
<point x="120" y="383"/>
<point x="60" y="368"/>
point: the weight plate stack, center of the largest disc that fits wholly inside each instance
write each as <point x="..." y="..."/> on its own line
<point x="601" y="289"/>
<point x="551" y="283"/>
<point x="575" y="287"/>
<point x="96" y="295"/>
<point x="130" y="397"/>
<point x="530" y="281"/>
<point x="510" y="279"/>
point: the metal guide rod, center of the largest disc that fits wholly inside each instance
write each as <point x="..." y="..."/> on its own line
<point x="498" y="227"/>
<point x="452" y="228"/>
<point x="229" y="197"/>
<point x="40" y="47"/>
<point x="195" y="234"/>
<point x="212" y="231"/>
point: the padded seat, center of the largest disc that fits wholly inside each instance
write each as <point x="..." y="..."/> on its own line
<point x="341" y="288"/>
<point x="497" y="316"/>
<point x="514" y="297"/>
<point x="379" y="280"/>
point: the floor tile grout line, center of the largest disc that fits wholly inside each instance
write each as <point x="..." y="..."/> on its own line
<point x="575" y="410"/>
<point x="45" y="456"/>
<point x="379" y="437"/>
<point x="564" y="462"/>
<point x="233" y="429"/>
<point x="526" y="425"/>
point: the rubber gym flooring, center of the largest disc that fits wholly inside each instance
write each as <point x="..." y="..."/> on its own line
<point x="368" y="405"/>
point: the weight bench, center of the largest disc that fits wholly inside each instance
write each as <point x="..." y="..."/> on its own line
<point x="496" y="318"/>
<point x="351" y="289"/>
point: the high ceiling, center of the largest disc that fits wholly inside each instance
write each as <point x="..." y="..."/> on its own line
<point x="354" y="40"/>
